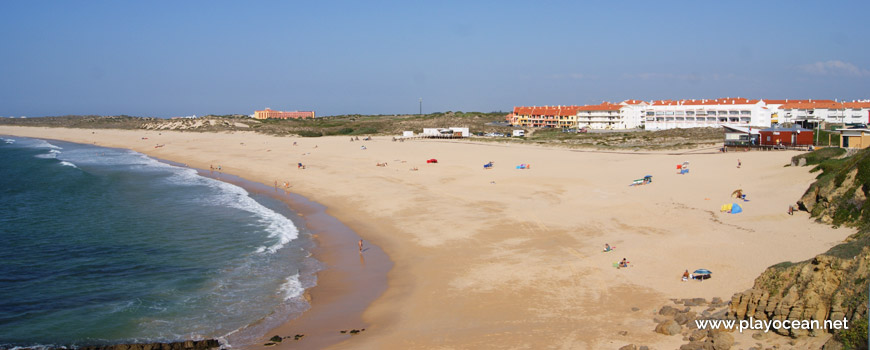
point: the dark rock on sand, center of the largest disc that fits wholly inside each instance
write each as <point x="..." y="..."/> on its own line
<point x="684" y="317"/>
<point x="668" y="311"/>
<point x="698" y="335"/>
<point x="668" y="327"/>
<point x="721" y="340"/>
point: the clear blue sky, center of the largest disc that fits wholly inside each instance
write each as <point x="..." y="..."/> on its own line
<point x="174" y="58"/>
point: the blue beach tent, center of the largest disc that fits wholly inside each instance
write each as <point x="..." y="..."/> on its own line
<point x="735" y="208"/>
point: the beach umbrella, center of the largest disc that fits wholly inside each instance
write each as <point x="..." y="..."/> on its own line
<point x="737" y="193"/>
<point x="702" y="272"/>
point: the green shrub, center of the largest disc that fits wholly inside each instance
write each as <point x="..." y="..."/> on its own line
<point x="365" y="130"/>
<point x="309" y="133"/>
<point x="855" y="337"/>
<point x="819" y="155"/>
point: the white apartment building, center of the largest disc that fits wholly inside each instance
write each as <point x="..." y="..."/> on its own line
<point x="692" y="113"/>
<point x="810" y="112"/>
<point x="696" y="113"/>
<point x="627" y="114"/>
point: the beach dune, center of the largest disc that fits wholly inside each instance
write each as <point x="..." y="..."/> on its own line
<point x="511" y="258"/>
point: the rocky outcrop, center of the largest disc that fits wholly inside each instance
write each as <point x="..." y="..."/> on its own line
<point x="831" y="286"/>
<point x="825" y="288"/>
<point x="185" y="345"/>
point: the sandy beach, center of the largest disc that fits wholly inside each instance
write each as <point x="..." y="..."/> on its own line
<point x="509" y="258"/>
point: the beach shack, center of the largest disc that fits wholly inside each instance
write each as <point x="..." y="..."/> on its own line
<point x="451" y="132"/>
<point x="854" y="138"/>
<point x="741" y="136"/>
<point x="789" y="137"/>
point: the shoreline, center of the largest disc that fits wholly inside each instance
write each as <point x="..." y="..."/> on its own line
<point x="348" y="283"/>
<point x="512" y="258"/>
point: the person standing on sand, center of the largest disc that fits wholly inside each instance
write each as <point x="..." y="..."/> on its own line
<point x="360" y="246"/>
<point x="738" y="163"/>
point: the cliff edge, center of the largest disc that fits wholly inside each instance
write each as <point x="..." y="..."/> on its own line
<point x="833" y="285"/>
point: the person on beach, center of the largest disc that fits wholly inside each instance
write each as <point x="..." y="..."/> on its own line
<point x="360" y="246"/>
<point x="738" y="163"/>
<point x="790" y="210"/>
<point x="623" y="263"/>
<point x="686" y="276"/>
<point x="607" y="247"/>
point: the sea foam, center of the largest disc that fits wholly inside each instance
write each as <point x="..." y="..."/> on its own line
<point x="278" y="226"/>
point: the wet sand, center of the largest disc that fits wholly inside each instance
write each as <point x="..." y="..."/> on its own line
<point x="349" y="282"/>
<point x="508" y="258"/>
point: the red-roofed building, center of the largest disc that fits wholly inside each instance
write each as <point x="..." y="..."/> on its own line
<point x="270" y="114"/>
<point x="809" y="113"/>
<point x="693" y="113"/>
<point x="625" y="115"/>
<point x="545" y="117"/>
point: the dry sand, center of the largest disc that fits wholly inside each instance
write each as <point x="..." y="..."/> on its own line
<point x="508" y="258"/>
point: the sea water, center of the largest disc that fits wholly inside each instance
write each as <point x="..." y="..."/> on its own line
<point x="101" y="246"/>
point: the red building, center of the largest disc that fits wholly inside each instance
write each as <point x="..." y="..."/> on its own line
<point x="270" y="114"/>
<point x="786" y="137"/>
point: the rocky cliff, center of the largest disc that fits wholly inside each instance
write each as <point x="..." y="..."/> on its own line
<point x="832" y="285"/>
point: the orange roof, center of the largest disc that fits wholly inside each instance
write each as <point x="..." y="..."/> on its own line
<point x="782" y="102"/>
<point x="856" y="104"/>
<point x="604" y="106"/>
<point x="706" y="102"/>
<point x="547" y="110"/>
<point x="828" y="104"/>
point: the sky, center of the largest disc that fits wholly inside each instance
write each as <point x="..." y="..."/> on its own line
<point x="178" y="58"/>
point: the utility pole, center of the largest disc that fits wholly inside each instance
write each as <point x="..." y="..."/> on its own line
<point x="421" y="106"/>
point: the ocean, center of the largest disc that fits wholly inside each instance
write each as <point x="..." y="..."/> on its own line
<point x="103" y="246"/>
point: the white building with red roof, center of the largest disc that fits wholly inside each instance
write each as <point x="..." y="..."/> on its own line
<point x="697" y="113"/>
<point x="809" y="112"/>
<point x="692" y="113"/>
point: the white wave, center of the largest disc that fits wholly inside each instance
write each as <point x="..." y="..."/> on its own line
<point x="52" y="154"/>
<point x="8" y="141"/>
<point x="63" y="162"/>
<point x="291" y="288"/>
<point x="43" y="144"/>
<point x="278" y="226"/>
